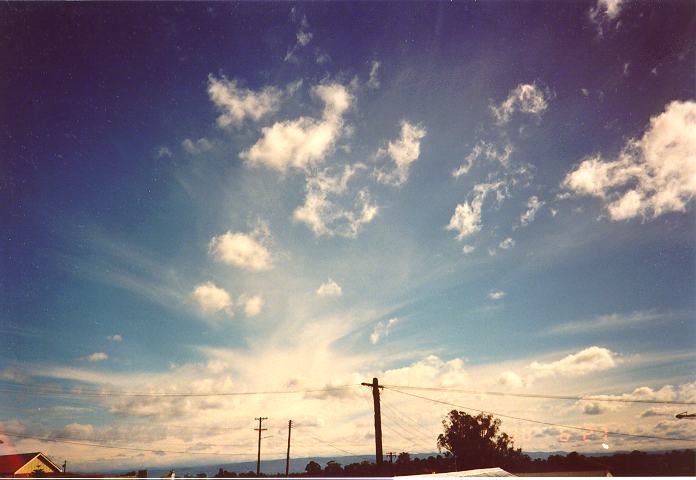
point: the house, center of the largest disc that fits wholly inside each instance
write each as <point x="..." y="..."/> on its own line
<point x="24" y="464"/>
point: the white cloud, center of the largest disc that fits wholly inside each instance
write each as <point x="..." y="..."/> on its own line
<point x="242" y="250"/>
<point x="97" y="357"/>
<point x="382" y="330"/>
<point x="403" y="152"/>
<point x="496" y="294"/>
<point x="589" y="360"/>
<point x="507" y="243"/>
<point x="252" y="304"/>
<point x="467" y="249"/>
<point x="322" y="58"/>
<point x="533" y="206"/>
<point x="653" y="175"/>
<point x="115" y="338"/>
<point x="325" y="211"/>
<point x="373" y="81"/>
<point x="431" y="371"/>
<point x="525" y="98"/>
<point x="212" y="299"/>
<point x="164" y="152"/>
<point x="13" y="375"/>
<point x="466" y="219"/>
<point x="237" y="104"/>
<point x="329" y="289"/>
<point x="304" y="141"/>
<point x="604" y="13"/>
<point x="196" y="147"/>
<point x="611" y="321"/>
<point x="303" y="36"/>
<point x="487" y="150"/>
<point x="510" y="379"/>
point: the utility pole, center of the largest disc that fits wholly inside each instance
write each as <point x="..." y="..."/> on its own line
<point x="378" y="420"/>
<point x="258" y="458"/>
<point x="391" y="456"/>
<point x="287" y="456"/>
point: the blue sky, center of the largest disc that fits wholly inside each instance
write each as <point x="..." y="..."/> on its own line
<point x="239" y="197"/>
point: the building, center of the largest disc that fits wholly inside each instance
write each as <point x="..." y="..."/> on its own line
<point x="24" y="464"/>
<point x="479" y="472"/>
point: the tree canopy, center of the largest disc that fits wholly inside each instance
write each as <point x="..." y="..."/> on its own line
<point x="476" y="441"/>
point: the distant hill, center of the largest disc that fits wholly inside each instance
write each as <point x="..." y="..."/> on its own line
<point x="299" y="464"/>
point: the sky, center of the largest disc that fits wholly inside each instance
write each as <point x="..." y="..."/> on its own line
<point x="248" y="197"/>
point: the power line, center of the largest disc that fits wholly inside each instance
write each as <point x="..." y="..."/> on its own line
<point x="424" y="432"/>
<point x="592" y="398"/>
<point x="570" y="427"/>
<point x="115" y="447"/>
<point x="48" y="392"/>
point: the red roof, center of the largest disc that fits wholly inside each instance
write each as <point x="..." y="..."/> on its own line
<point x="9" y="464"/>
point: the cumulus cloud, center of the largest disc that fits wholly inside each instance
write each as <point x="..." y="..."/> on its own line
<point x="237" y="104"/>
<point x="373" y="81"/>
<point x="589" y="360"/>
<point x="496" y="294"/>
<point x="403" y="152"/>
<point x="382" y="330"/>
<point x="97" y="357"/>
<point x="651" y="176"/>
<point x="243" y="250"/>
<point x="467" y="249"/>
<point x="304" y="141"/>
<point x="115" y="338"/>
<point x="329" y="210"/>
<point x="507" y="243"/>
<point x="252" y="304"/>
<point x="604" y="13"/>
<point x="486" y="150"/>
<point x="212" y="299"/>
<point x="466" y="219"/>
<point x="525" y="98"/>
<point x="510" y="379"/>
<point x="533" y="206"/>
<point x="431" y="371"/>
<point x="329" y="289"/>
<point x="196" y="147"/>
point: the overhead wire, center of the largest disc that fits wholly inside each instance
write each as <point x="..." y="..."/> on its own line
<point x="65" y="440"/>
<point x="569" y="427"/>
<point x="94" y="393"/>
<point x="593" y="398"/>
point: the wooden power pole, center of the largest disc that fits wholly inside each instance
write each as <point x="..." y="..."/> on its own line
<point x="378" y="420"/>
<point x="258" y="458"/>
<point x="287" y="456"/>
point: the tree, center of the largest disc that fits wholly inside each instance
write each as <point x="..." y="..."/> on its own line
<point x="333" y="469"/>
<point x="476" y="442"/>
<point x="313" y="469"/>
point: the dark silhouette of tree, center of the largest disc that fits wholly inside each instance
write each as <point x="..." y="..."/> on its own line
<point x="333" y="469"/>
<point x="313" y="469"/>
<point x="476" y="442"/>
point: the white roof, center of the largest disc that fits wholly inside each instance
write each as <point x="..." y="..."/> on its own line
<point x="479" y="472"/>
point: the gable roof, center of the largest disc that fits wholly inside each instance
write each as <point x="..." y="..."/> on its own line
<point x="11" y="463"/>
